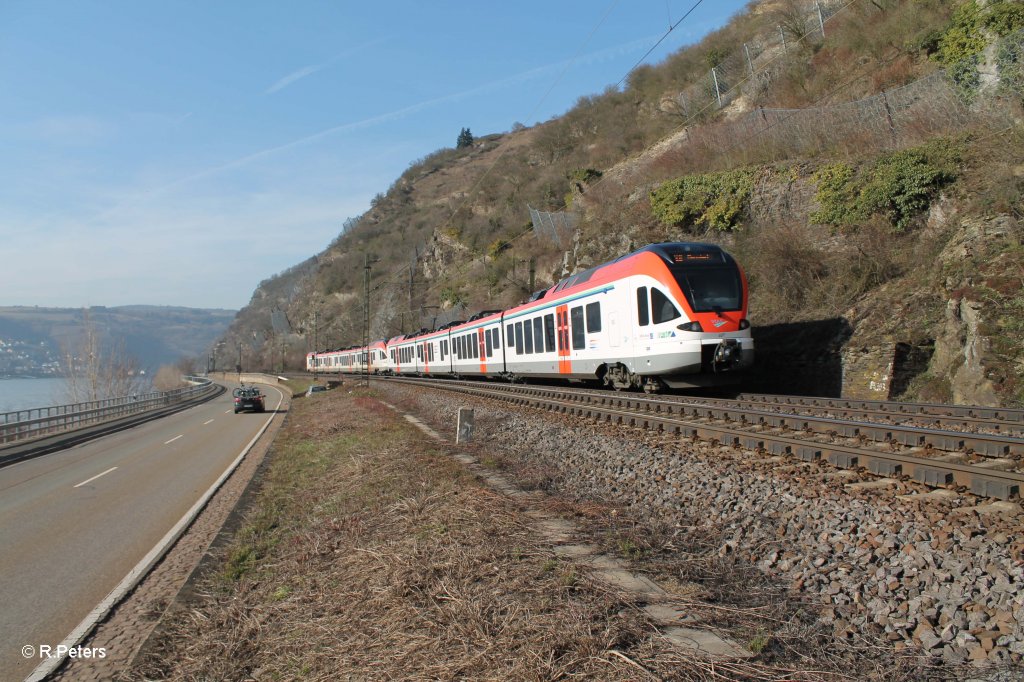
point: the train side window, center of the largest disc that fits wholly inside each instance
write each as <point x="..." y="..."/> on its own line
<point x="643" y="318"/>
<point x="579" y="337"/>
<point x="487" y="338"/>
<point x="519" y="338"/>
<point x="662" y="309"/>
<point x="538" y="334"/>
<point x="549" y="333"/>
<point x="527" y="336"/>
<point x="593" y="317"/>
<point x="510" y="336"/>
<point x="496" y="333"/>
<point x="430" y="350"/>
<point x="475" y="343"/>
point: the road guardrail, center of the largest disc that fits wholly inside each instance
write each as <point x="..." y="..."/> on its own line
<point x="38" y="422"/>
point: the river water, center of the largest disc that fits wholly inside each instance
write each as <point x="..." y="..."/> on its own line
<point x="21" y="394"/>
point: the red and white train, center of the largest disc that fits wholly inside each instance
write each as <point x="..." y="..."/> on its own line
<point x="669" y="315"/>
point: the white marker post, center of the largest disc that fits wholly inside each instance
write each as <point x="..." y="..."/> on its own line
<point x="464" y="429"/>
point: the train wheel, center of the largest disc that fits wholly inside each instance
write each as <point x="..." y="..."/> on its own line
<point x="620" y="378"/>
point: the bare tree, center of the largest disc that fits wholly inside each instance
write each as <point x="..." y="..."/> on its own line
<point x="96" y="369"/>
<point x="167" y="378"/>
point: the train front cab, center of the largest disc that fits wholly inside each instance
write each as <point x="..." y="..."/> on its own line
<point x="689" y="316"/>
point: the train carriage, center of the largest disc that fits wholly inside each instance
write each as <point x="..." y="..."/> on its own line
<point x="476" y="346"/>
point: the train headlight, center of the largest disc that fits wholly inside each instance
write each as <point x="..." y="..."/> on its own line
<point x="690" y="327"/>
<point x="744" y="323"/>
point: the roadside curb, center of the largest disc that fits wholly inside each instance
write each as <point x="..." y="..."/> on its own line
<point x="137" y="574"/>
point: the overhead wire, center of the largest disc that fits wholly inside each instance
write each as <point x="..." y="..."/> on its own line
<point x="687" y="122"/>
<point x="515" y="238"/>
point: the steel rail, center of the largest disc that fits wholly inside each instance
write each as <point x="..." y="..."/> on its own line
<point x="896" y="408"/>
<point x="981" y="481"/>
<point x="868" y="414"/>
<point x="990" y="445"/>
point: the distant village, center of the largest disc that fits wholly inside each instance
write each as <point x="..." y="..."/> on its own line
<point x="20" y="358"/>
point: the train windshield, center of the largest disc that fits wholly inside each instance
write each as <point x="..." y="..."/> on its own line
<point x="710" y="289"/>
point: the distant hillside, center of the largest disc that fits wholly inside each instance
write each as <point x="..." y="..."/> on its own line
<point x="153" y="335"/>
<point x="862" y="161"/>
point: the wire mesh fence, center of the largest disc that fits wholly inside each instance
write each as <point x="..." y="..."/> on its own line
<point x="556" y="228"/>
<point x="981" y="93"/>
<point x="750" y="63"/>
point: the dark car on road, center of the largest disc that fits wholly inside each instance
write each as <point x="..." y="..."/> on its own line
<point x="248" y="398"/>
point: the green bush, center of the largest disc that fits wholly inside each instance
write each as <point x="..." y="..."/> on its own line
<point x="965" y="36"/>
<point x="714" y="200"/>
<point x="899" y="185"/>
<point x="836" y="195"/>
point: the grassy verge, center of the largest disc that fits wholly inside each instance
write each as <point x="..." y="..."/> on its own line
<point x="370" y="554"/>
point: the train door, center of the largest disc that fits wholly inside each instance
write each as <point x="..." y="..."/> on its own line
<point x="483" y="350"/>
<point x="656" y="318"/>
<point x="562" y="329"/>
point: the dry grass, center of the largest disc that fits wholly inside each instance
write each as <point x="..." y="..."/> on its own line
<point x="368" y="555"/>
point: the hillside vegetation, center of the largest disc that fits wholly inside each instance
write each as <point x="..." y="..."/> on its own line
<point x="868" y="179"/>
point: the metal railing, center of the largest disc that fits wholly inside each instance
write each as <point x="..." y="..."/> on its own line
<point x="37" y="422"/>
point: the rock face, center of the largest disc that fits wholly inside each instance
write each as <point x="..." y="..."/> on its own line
<point x="962" y="342"/>
<point x="442" y="252"/>
<point x="959" y="349"/>
<point x="933" y="573"/>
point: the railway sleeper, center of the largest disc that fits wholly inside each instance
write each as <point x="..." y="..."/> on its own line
<point x="843" y="460"/>
<point x="808" y="454"/>
<point x="986" y="487"/>
<point x="932" y="476"/>
<point x="882" y="467"/>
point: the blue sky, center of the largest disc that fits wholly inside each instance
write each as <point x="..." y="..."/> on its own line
<point x="179" y="152"/>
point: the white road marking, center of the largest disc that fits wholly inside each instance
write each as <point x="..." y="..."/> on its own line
<point x="208" y="421"/>
<point x="227" y="411"/>
<point x="131" y="580"/>
<point x="90" y="480"/>
<point x="174" y="439"/>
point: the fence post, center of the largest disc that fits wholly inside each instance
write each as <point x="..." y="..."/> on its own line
<point x="888" y="118"/>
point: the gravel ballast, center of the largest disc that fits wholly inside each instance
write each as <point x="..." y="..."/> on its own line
<point x="936" y="574"/>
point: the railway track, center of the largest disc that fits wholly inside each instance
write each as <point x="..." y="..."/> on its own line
<point x="979" y="450"/>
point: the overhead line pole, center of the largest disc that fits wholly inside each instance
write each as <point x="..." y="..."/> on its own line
<point x="366" y="315"/>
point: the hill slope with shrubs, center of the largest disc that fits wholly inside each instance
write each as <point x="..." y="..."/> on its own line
<point x="868" y="179"/>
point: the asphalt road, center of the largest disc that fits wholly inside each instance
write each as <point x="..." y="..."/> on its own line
<point x="74" y="523"/>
